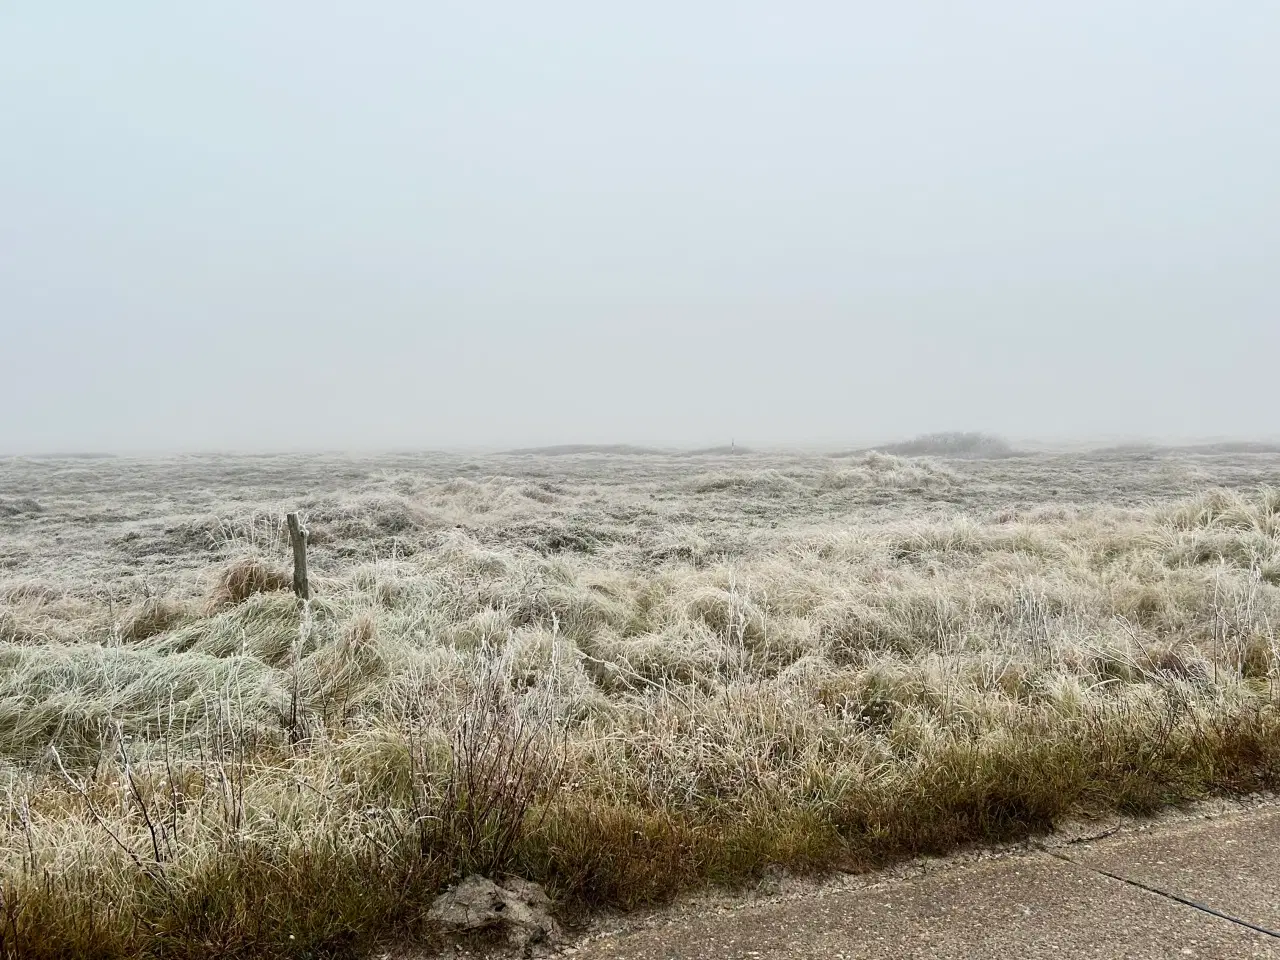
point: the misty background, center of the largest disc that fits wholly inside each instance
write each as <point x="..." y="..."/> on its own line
<point x="278" y="226"/>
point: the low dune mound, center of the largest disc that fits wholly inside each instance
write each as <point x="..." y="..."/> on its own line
<point x="20" y="507"/>
<point x="953" y="446"/>
<point x="732" y="450"/>
<point x="575" y="449"/>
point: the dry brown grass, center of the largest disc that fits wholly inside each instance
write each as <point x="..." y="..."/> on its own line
<point x="242" y="579"/>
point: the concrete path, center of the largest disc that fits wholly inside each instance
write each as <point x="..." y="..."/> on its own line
<point x="1124" y="896"/>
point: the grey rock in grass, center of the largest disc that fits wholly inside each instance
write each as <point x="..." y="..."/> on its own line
<point x="517" y="911"/>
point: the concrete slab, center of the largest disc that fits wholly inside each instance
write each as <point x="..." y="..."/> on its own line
<point x="1231" y="864"/>
<point x="1023" y="908"/>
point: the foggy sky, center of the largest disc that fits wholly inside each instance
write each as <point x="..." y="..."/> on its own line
<point x="290" y="225"/>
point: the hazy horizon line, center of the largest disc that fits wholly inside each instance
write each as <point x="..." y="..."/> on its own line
<point x="1031" y="444"/>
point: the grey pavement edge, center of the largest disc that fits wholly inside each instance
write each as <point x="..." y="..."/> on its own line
<point x="1059" y="903"/>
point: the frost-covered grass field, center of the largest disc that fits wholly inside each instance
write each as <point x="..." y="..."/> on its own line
<point x="618" y="674"/>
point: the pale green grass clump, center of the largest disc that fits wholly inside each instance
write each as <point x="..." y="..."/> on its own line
<point x="224" y="771"/>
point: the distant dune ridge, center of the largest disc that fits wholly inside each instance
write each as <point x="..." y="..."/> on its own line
<point x="624" y="449"/>
<point x="955" y="446"/>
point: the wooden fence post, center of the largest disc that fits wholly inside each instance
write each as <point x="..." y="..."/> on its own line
<point x="298" y="537"/>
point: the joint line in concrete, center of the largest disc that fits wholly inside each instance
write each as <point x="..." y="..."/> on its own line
<point x="1186" y="901"/>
